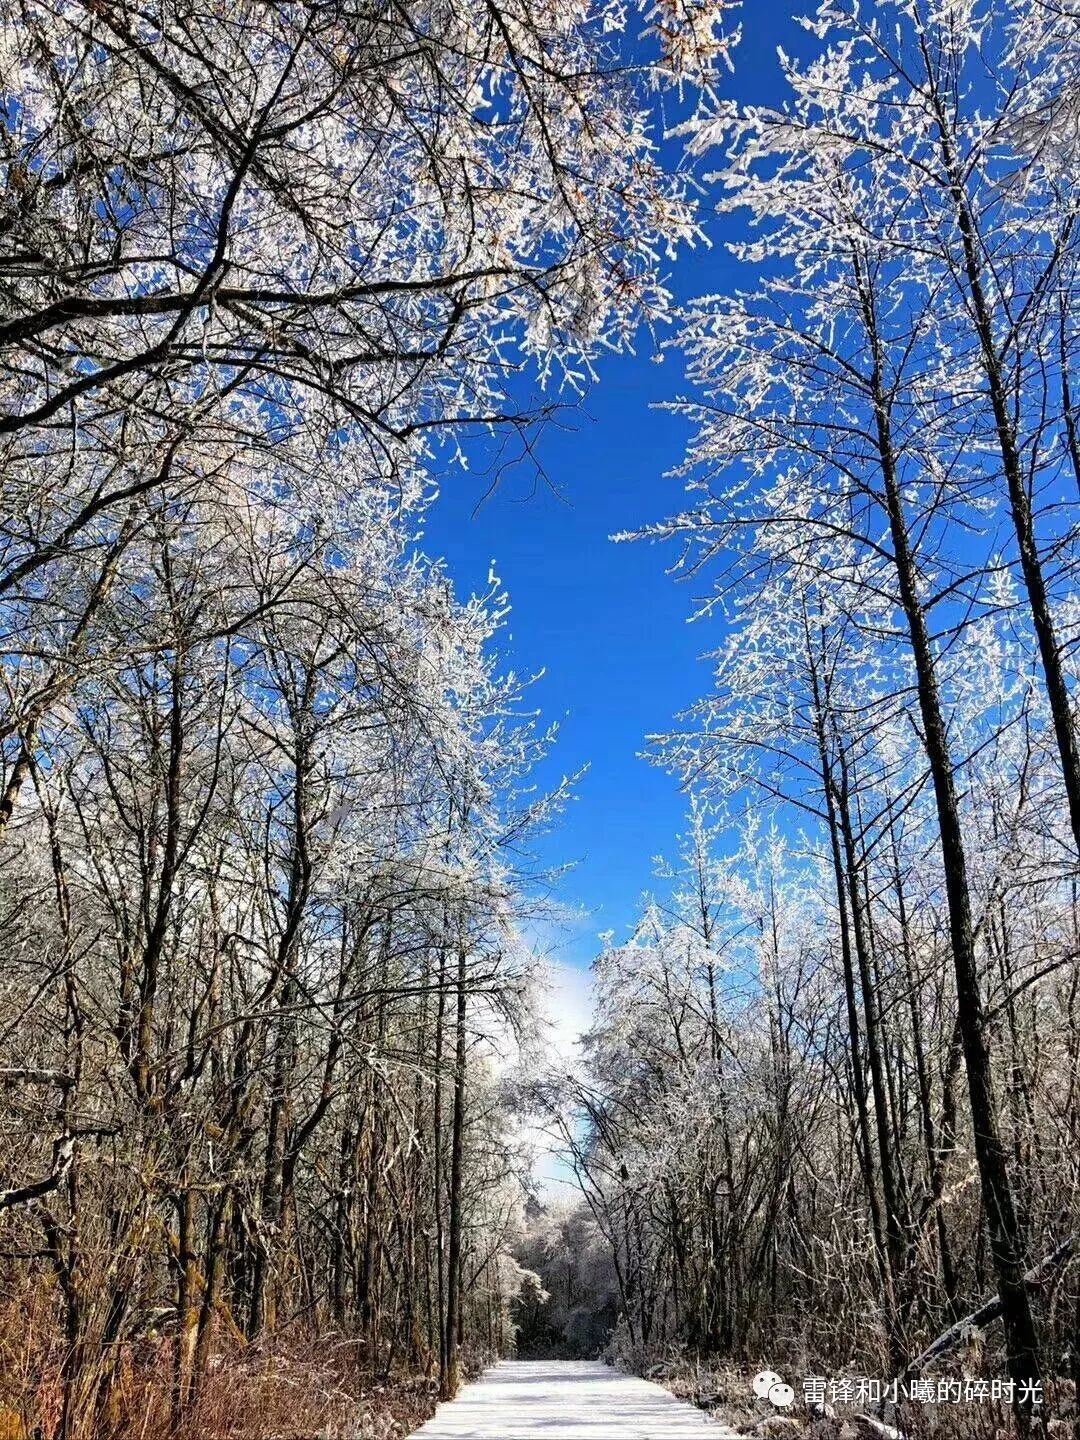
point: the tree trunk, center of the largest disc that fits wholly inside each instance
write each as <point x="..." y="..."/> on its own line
<point x="457" y="1145"/>
<point x="998" y="1202"/>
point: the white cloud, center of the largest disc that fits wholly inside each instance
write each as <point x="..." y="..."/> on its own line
<point x="567" y="1006"/>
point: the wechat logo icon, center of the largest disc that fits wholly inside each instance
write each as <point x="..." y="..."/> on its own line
<point x="770" y="1386"/>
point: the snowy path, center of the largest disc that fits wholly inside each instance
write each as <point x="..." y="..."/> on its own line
<point x="566" y="1400"/>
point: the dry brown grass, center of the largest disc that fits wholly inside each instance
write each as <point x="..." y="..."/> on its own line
<point x="301" y="1389"/>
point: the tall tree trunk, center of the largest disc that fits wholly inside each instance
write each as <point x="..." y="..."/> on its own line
<point x="457" y="1146"/>
<point x="438" y="1179"/>
<point x="998" y="1202"/>
<point x="1050" y="654"/>
<point x="822" y="726"/>
<point x="894" y="1235"/>
<point x="188" y="1277"/>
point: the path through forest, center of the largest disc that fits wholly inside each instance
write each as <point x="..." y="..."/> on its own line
<point x="566" y="1400"/>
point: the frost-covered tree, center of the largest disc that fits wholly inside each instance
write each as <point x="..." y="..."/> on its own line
<point x="883" y="465"/>
<point x="263" y="270"/>
<point x="264" y="256"/>
<point x="259" y="918"/>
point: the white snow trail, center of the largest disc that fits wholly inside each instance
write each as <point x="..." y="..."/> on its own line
<point x="566" y="1400"/>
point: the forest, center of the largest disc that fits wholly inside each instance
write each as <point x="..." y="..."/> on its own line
<point x="273" y="1055"/>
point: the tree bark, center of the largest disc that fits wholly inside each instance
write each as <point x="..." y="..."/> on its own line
<point x="998" y="1202"/>
<point x="457" y="1144"/>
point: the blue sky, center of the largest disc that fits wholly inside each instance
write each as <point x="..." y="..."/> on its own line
<point x="605" y="621"/>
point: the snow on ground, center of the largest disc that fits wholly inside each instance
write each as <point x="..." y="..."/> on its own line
<point x="566" y="1400"/>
